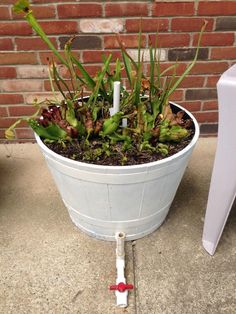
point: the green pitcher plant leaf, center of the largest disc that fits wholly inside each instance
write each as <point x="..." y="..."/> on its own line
<point x="145" y="121"/>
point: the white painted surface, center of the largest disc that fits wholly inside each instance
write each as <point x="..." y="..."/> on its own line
<point x="103" y="200"/>
<point x="223" y="182"/>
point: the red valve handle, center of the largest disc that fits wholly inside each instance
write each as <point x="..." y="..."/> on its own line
<point x="121" y="287"/>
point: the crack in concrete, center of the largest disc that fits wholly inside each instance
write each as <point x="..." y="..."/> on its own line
<point x="134" y="277"/>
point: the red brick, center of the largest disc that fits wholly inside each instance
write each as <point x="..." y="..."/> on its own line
<point x="40" y="12"/>
<point x="210" y="105"/>
<point x="189" y="81"/>
<point x="212" y="80"/>
<point x="40" y="97"/>
<point x="101" y="25"/>
<point x="6" y="44"/>
<point x="46" y="1"/>
<point x="11" y="99"/>
<point x="7" y="72"/>
<point x="130" y="41"/>
<point x="95" y="56"/>
<point x="217" y="8"/>
<point x="190" y="24"/>
<point x="172" y="9"/>
<point x="126" y="9"/>
<point x="210" y="116"/>
<point x="209" y="67"/>
<point x="201" y="94"/>
<point x="17" y="111"/>
<point x="18" y="58"/>
<point x="33" y="44"/>
<point x="60" y="27"/>
<point x="44" y="56"/>
<point x="8" y="1"/>
<point x="20" y="85"/>
<point x="47" y="86"/>
<point x="145" y="54"/>
<point x="63" y="71"/>
<point x="15" y="28"/>
<point x="91" y="69"/>
<point x="225" y="23"/>
<point x="3" y="112"/>
<point x="192" y="81"/>
<point x="82" y="42"/>
<point x="147" y="25"/>
<point x="223" y="53"/>
<point x="187" y="54"/>
<point x="79" y="10"/>
<point x="210" y="129"/>
<point x="215" y="39"/>
<point x="179" y="70"/>
<point x="4" y="13"/>
<point x="191" y="105"/>
<point x="2" y="136"/>
<point x="177" y="95"/>
<point x="32" y="71"/>
<point x="24" y="133"/>
<point x="170" y="40"/>
<point x="6" y="122"/>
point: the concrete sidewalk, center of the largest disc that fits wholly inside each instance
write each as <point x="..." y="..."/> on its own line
<point x="48" y="266"/>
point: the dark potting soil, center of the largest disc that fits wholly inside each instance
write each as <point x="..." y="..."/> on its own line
<point x="118" y="157"/>
<point x="94" y="153"/>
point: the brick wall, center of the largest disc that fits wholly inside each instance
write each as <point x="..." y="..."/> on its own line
<point x="23" y="70"/>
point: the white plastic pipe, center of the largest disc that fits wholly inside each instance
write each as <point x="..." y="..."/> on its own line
<point x="121" y="297"/>
<point x="120" y="244"/>
<point x="116" y="98"/>
<point x="124" y="123"/>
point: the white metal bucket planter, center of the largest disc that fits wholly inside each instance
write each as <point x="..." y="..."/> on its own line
<point x="104" y="200"/>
